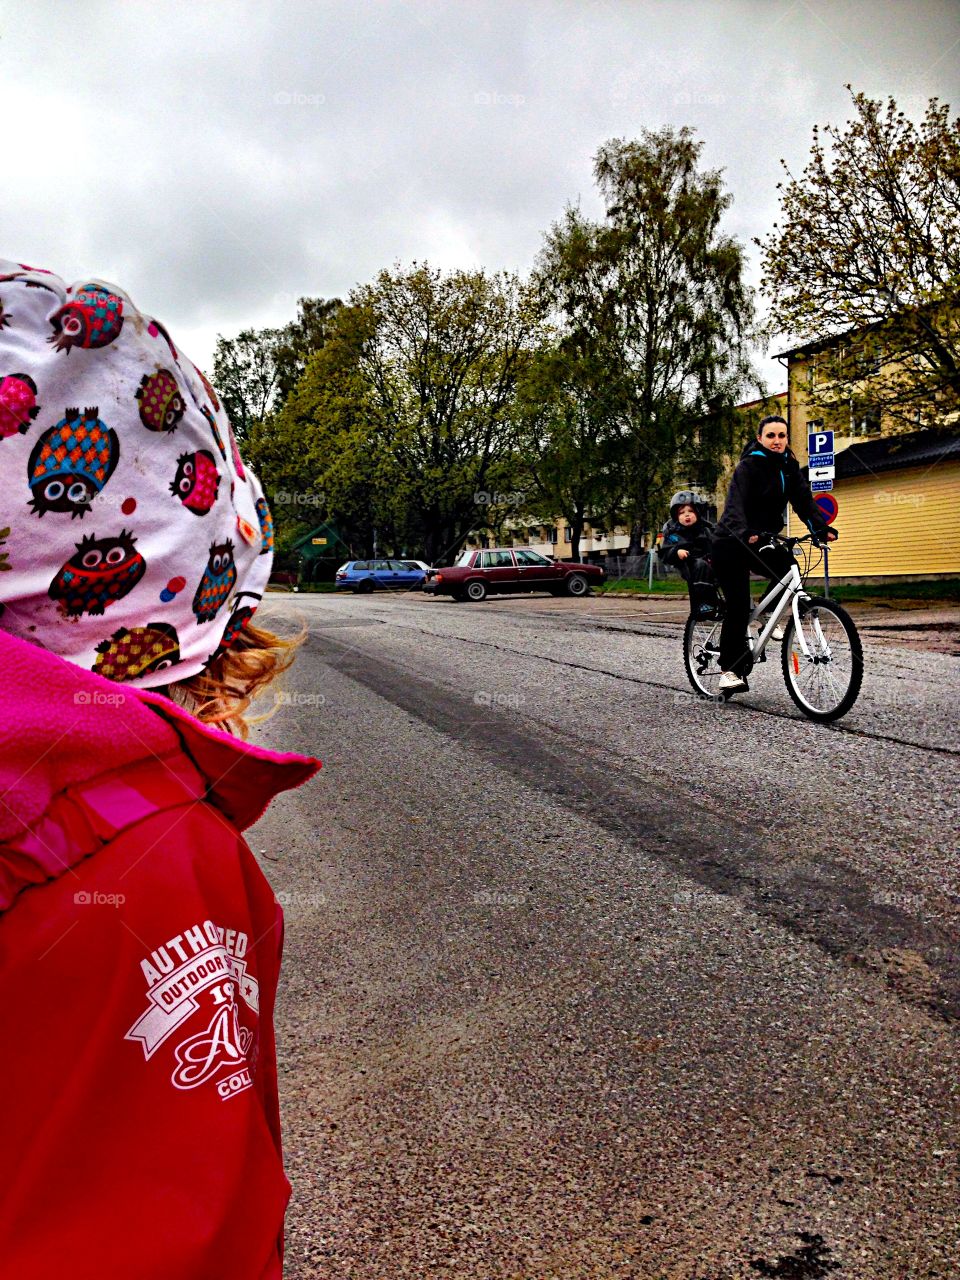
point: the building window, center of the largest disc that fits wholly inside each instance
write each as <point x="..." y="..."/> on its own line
<point x="567" y="534"/>
<point x="867" y="422"/>
<point x="553" y="535"/>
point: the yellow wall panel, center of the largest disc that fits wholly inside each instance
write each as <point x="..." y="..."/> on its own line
<point x="905" y="521"/>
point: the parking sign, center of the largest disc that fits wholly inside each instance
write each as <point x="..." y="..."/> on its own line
<point x="819" y="442"/>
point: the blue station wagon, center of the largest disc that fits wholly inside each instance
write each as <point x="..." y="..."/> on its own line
<point x="382" y="575"/>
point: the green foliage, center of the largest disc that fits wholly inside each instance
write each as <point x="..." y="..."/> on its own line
<point x="568" y="401"/>
<point x="433" y="405"/>
<point x="245" y="376"/>
<point x="868" y="246"/>
<point x="403" y="423"/>
<point x="655" y="297"/>
<point x="256" y="371"/>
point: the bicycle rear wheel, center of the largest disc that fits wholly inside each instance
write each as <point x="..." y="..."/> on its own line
<point x="825" y="685"/>
<point x="701" y="655"/>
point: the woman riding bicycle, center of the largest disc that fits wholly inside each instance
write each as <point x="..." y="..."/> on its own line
<point x="766" y="479"/>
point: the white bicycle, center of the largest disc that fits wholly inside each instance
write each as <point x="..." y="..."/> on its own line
<point x="821" y="653"/>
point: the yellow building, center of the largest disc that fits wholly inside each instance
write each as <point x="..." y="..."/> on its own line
<point x="899" y="507"/>
<point x="898" y="494"/>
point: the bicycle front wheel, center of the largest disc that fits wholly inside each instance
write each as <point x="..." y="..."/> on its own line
<point x="825" y="684"/>
<point x="701" y="655"/>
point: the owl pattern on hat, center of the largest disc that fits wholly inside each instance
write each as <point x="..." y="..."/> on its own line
<point x="92" y="318"/>
<point x="71" y="462"/>
<point x="175" y="542"/>
<point x="18" y="403"/>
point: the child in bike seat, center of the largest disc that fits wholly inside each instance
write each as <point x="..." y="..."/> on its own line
<point x="686" y="547"/>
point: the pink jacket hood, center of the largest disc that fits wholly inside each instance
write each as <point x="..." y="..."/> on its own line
<point x="64" y="727"/>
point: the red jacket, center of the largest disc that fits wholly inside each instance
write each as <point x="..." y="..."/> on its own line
<point x="139" y="954"/>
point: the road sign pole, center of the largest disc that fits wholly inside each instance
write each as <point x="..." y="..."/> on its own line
<point x="826" y="570"/>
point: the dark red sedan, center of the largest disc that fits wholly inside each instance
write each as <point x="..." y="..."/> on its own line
<point x="478" y="573"/>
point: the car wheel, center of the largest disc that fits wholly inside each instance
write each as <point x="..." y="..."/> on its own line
<point x="577" y="585"/>
<point x="476" y="591"/>
<point x="365" y="587"/>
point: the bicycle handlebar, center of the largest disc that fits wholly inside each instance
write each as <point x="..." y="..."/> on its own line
<point x="793" y="542"/>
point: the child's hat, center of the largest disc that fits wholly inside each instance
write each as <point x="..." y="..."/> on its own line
<point x="685" y="498"/>
<point x="133" y="539"/>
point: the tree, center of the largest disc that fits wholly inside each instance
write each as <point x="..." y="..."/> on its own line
<point x="315" y="455"/>
<point x="405" y="420"/>
<point x="658" y="291"/>
<point x="299" y="339"/>
<point x="441" y="368"/>
<point x="571" y="396"/>
<point x="245" y="376"/>
<point x="868" y="250"/>
<point x="256" y="371"/>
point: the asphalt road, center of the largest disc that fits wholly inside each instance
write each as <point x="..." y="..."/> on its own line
<point x="585" y="977"/>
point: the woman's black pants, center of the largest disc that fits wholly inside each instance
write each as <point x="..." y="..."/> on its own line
<point x="733" y="563"/>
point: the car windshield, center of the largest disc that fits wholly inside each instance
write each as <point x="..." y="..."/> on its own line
<point x="464" y="558"/>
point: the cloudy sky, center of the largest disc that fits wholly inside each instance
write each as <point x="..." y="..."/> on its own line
<point x="219" y="160"/>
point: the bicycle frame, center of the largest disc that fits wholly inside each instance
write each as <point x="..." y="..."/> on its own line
<point x="790" y="591"/>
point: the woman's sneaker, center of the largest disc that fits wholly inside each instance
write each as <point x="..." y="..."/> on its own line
<point x="730" y="682"/>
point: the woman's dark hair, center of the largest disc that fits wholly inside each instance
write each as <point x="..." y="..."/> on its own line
<point x="773" y="417"/>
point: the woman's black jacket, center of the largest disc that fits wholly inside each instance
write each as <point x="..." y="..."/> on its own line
<point x="762" y="485"/>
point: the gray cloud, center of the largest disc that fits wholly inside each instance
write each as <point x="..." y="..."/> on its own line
<point x="220" y="160"/>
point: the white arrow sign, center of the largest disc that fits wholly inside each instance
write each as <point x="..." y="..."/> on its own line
<point x="822" y="473"/>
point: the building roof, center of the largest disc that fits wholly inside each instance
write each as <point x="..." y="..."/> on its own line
<point x="831" y="340"/>
<point x="819" y="344"/>
<point x="774" y="395"/>
<point x="888" y="453"/>
<point x="306" y="540"/>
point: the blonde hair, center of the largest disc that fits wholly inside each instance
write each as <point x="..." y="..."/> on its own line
<point x="222" y="692"/>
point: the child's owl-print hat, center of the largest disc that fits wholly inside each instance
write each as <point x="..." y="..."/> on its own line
<point x="133" y="540"/>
